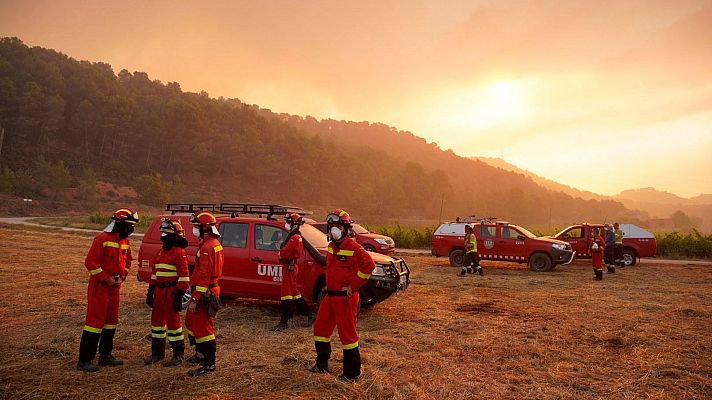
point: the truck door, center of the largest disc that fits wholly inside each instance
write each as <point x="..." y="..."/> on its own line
<point x="576" y="237"/>
<point x="511" y="244"/>
<point x="236" y="273"/>
<point x="487" y="247"/>
<point x="264" y="259"/>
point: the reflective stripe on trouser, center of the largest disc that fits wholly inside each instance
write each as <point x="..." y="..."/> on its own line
<point x="102" y="306"/>
<point x="162" y="314"/>
<point x="200" y="325"/>
<point x="339" y="312"/>
<point x="288" y="290"/>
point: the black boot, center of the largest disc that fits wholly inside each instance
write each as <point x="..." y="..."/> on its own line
<point x="599" y="274"/>
<point x="463" y="272"/>
<point x="611" y="269"/>
<point x="323" y="353"/>
<point x="287" y="313"/>
<point x="303" y="309"/>
<point x="87" y="351"/>
<point x="352" y="365"/>
<point x="208" y="350"/>
<point x="106" y="346"/>
<point x="178" y="350"/>
<point x="480" y="270"/>
<point x="158" y="351"/>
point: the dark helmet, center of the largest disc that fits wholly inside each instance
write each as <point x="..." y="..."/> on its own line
<point x="171" y="226"/>
<point x="293" y="219"/>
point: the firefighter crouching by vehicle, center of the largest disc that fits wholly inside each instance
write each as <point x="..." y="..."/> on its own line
<point x="108" y="263"/>
<point x="618" y="249"/>
<point x="471" y="257"/>
<point x="597" y="247"/>
<point x="169" y="281"/>
<point x="610" y="240"/>
<point x="348" y="267"/>
<point x="205" y="292"/>
<point x="289" y="254"/>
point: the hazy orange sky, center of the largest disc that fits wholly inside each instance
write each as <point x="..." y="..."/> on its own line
<point x="602" y="96"/>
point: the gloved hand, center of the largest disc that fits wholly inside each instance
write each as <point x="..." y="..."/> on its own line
<point x="178" y="300"/>
<point x="149" y="295"/>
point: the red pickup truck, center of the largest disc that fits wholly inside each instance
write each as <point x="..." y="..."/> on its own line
<point x="370" y="241"/>
<point x="251" y="237"/>
<point x="637" y="242"/>
<point x="501" y="241"/>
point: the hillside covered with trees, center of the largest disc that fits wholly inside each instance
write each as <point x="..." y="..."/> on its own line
<point x="69" y="123"/>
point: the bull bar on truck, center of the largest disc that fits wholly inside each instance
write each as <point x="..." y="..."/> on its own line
<point x="396" y="278"/>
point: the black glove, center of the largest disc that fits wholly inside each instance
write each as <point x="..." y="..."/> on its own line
<point x="149" y="296"/>
<point x="178" y="300"/>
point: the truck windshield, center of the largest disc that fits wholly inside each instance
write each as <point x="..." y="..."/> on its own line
<point x="314" y="236"/>
<point x="359" y="229"/>
<point x="526" y="232"/>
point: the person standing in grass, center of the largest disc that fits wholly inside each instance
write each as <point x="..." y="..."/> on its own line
<point x="204" y="302"/>
<point x="108" y="262"/>
<point x="348" y="267"/>
<point x="169" y="281"/>
<point x="472" y="261"/>
<point x="618" y="249"/>
<point x="610" y="240"/>
<point x="597" y="247"/>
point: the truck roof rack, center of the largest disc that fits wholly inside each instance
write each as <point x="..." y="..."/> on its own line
<point x="235" y="209"/>
<point x="475" y="219"/>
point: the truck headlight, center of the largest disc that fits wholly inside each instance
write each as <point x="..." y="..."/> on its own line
<point x="558" y="246"/>
<point x="378" y="271"/>
<point x="381" y="241"/>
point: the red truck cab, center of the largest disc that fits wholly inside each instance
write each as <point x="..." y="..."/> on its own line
<point x="501" y="241"/>
<point x="251" y="249"/>
<point x="637" y="242"/>
<point x="370" y="241"/>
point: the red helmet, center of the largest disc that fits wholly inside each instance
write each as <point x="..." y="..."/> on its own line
<point x="171" y="226"/>
<point x="125" y="215"/>
<point x="293" y="218"/>
<point x="339" y="216"/>
<point x="206" y="220"/>
<point x="203" y="218"/>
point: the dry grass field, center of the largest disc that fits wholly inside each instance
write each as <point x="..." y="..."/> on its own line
<point x="645" y="332"/>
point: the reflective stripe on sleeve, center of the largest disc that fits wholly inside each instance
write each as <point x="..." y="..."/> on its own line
<point x="218" y="248"/>
<point x="201" y="289"/>
<point x="153" y="276"/>
<point x="96" y="271"/>
<point x="125" y="247"/>
<point x="287" y="298"/>
<point x="110" y="244"/>
<point x="184" y="279"/>
<point x="330" y="250"/>
<point x="362" y="275"/>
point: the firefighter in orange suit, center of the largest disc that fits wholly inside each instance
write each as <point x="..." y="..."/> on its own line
<point x="205" y="292"/>
<point x="108" y="263"/>
<point x="348" y="267"/>
<point x="169" y="281"/>
<point x="289" y="255"/>
<point x="597" y="248"/>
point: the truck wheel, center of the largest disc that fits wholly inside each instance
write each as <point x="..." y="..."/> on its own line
<point x="457" y="257"/>
<point x="540" y="262"/>
<point x="629" y="257"/>
<point x="368" y="247"/>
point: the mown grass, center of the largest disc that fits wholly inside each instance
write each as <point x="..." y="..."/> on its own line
<point x="642" y="332"/>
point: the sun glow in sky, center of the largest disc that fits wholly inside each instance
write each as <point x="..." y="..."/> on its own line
<point x="554" y="87"/>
